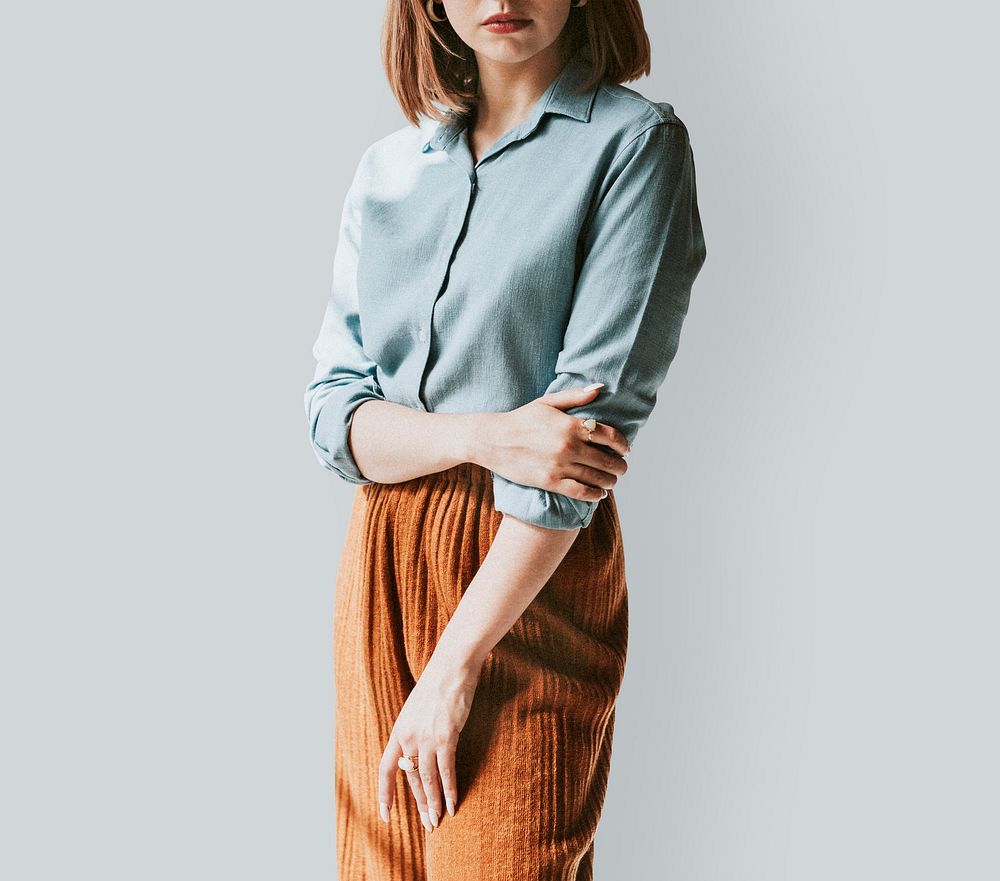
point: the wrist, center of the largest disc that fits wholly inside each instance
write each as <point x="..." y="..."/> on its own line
<point x="457" y="659"/>
<point x="477" y="438"/>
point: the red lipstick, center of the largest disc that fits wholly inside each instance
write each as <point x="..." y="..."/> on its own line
<point x="505" y="23"/>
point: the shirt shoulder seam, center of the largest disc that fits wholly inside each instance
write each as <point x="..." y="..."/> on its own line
<point x="648" y="104"/>
<point x="662" y="120"/>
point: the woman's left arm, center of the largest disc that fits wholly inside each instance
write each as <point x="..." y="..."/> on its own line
<point x="520" y="561"/>
<point x="642" y="250"/>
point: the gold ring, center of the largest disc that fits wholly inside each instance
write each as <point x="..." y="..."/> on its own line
<point x="590" y="424"/>
<point x="408" y="763"/>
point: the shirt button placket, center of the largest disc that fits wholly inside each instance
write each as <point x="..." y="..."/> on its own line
<point x="423" y="330"/>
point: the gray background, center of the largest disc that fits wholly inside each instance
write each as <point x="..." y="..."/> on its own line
<point x="810" y="518"/>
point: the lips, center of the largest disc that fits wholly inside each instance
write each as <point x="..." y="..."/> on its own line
<point x="505" y="17"/>
<point x="507" y="26"/>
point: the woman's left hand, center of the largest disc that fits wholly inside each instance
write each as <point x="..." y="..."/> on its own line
<point x="428" y="727"/>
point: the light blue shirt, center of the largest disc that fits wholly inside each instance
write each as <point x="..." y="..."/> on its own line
<point x="564" y="256"/>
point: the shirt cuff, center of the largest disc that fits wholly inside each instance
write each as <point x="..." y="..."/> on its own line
<point x="333" y="426"/>
<point x="539" y="506"/>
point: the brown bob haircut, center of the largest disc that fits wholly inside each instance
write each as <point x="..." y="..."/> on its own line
<point x="427" y="62"/>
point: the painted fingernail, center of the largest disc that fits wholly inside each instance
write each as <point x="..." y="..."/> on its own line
<point x="450" y="805"/>
<point x="383" y="811"/>
<point x="592" y="386"/>
<point x="425" y="821"/>
<point x="435" y="819"/>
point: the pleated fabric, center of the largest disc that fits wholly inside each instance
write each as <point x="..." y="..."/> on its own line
<point x="534" y="756"/>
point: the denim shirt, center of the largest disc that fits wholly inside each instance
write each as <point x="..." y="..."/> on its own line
<point x="564" y="256"/>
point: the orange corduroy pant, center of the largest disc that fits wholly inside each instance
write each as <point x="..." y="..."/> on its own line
<point x="534" y="755"/>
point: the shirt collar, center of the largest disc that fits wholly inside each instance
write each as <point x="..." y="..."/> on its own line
<point x="562" y="96"/>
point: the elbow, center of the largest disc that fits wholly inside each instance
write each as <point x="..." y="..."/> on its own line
<point x="541" y="507"/>
<point x="338" y="458"/>
<point x="330" y="411"/>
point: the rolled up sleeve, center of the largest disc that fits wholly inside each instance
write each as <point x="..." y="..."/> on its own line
<point x="643" y="249"/>
<point x="345" y="377"/>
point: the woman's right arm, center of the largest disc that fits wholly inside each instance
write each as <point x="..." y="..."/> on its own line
<point x="386" y="442"/>
<point x="390" y="443"/>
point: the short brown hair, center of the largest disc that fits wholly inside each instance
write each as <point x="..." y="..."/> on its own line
<point x="426" y="61"/>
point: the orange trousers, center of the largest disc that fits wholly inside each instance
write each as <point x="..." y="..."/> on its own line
<point x="533" y="758"/>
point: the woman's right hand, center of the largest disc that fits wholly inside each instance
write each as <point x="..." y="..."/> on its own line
<point x="539" y="445"/>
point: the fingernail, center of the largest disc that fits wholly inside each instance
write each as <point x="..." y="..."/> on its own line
<point x="450" y="805"/>
<point x="435" y="819"/>
<point x="605" y="495"/>
<point x="592" y="386"/>
<point x="383" y="811"/>
<point x="426" y="822"/>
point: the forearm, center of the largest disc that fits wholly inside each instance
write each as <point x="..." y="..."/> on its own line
<point x="520" y="561"/>
<point x="392" y="443"/>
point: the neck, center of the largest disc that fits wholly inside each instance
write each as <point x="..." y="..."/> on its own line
<point x="507" y="91"/>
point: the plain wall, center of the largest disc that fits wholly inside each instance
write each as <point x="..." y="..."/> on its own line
<point x="810" y="516"/>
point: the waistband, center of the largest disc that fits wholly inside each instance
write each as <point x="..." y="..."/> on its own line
<point x="464" y="472"/>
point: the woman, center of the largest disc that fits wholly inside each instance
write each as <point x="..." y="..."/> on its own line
<point x="509" y="285"/>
